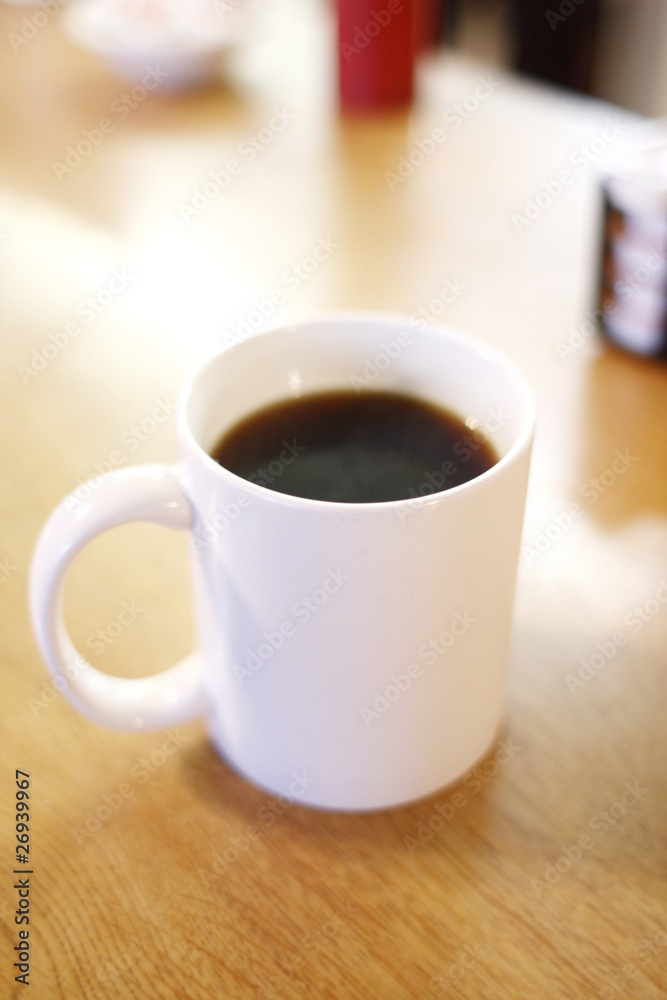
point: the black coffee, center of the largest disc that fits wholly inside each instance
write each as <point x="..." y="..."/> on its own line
<point x="354" y="447"/>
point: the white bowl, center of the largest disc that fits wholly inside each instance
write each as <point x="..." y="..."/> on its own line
<point x="180" y="43"/>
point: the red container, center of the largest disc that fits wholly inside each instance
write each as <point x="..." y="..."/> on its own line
<point x="377" y="42"/>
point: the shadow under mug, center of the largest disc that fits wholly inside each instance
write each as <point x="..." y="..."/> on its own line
<point x="351" y="655"/>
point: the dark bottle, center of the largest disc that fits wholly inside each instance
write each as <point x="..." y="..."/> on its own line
<point x="633" y="267"/>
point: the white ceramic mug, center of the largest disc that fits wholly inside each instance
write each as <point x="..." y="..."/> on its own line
<point x="357" y="650"/>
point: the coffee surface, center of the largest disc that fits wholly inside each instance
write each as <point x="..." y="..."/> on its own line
<point x="354" y="447"/>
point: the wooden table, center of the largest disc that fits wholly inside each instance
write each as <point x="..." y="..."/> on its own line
<point x="543" y="873"/>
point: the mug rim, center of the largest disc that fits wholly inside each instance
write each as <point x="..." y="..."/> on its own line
<point x="476" y="346"/>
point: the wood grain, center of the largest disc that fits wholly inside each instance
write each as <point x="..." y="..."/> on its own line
<point x="483" y="892"/>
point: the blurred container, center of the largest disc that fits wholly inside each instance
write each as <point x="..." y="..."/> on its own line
<point x="633" y="271"/>
<point x="377" y="47"/>
<point x="182" y="44"/>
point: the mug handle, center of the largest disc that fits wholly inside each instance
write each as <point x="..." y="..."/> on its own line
<point x="143" y="493"/>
